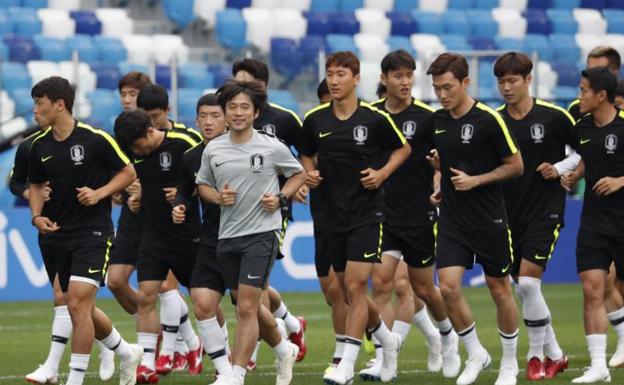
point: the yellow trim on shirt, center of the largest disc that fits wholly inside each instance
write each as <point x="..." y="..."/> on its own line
<point x="501" y="123"/>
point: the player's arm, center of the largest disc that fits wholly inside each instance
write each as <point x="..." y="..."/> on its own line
<point x="569" y="179"/>
<point x="313" y="176"/>
<point x="436" y="196"/>
<point x="36" y="200"/>
<point x="118" y="182"/>
<point x="372" y="178"/>
<point x="564" y="129"/>
<point x="290" y="167"/>
<point x="18" y="179"/>
<point x="184" y="192"/>
<point x="512" y="167"/>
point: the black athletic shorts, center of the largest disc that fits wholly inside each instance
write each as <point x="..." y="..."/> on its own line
<point x="362" y="244"/>
<point x="490" y="247"/>
<point x="84" y="258"/>
<point x="155" y="261"/>
<point x="321" y="257"/>
<point x="535" y="243"/>
<point x="207" y="272"/>
<point x="415" y="243"/>
<point x="597" y="251"/>
<point x="248" y="259"/>
<point x="127" y="239"/>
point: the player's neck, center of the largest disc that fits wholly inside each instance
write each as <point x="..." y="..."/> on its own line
<point x="343" y="109"/>
<point x="463" y="108"/>
<point x="396" y="105"/>
<point x="604" y="114"/>
<point x="63" y="127"/>
<point x="241" y="136"/>
<point x="519" y="110"/>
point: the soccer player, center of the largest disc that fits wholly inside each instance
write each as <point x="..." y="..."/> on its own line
<point x="476" y="152"/>
<point x="239" y="172"/>
<point x="286" y="126"/>
<point x="164" y="245"/>
<point x="599" y="243"/>
<point x="409" y="227"/>
<point x="535" y="203"/>
<point x="344" y="146"/>
<point x="76" y="161"/>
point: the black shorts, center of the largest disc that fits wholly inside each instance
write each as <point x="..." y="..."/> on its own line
<point x="415" y="243"/>
<point x="155" y="262"/>
<point x="597" y="251"/>
<point x="207" y="272"/>
<point x="535" y="243"/>
<point x="362" y="244"/>
<point x="248" y="259"/>
<point x="321" y="257"/>
<point x="84" y="258"/>
<point x="491" y="247"/>
<point x="127" y="239"/>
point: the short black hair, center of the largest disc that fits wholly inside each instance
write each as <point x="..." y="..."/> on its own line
<point x="620" y="88"/>
<point x="322" y="89"/>
<point x="255" y="67"/>
<point x="153" y="96"/>
<point x="381" y="90"/>
<point x="612" y="55"/>
<point x="134" y="79"/>
<point x="55" y="88"/>
<point x="449" y="62"/>
<point x="397" y="60"/>
<point x="207" y="100"/>
<point x="513" y="63"/>
<point x="253" y="89"/>
<point x="130" y="126"/>
<point x="600" y="78"/>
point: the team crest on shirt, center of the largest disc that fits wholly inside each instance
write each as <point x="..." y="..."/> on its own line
<point x="467" y="131"/>
<point x="611" y="142"/>
<point x="77" y="153"/>
<point x="409" y="129"/>
<point x="165" y="160"/>
<point x="360" y="134"/>
<point x="256" y="162"/>
<point x="537" y="132"/>
<point x="269" y="128"/>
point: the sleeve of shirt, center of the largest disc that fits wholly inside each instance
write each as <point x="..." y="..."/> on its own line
<point x="285" y="161"/>
<point x="36" y="172"/>
<point x="18" y="180"/>
<point x="194" y="134"/>
<point x="565" y="129"/>
<point x="293" y="130"/>
<point x="111" y="154"/>
<point x="391" y="137"/>
<point x="307" y="142"/>
<point x="427" y="127"/>
<point x="186" y="181"/>
<point x="501" y="137"/>
<point x="205" y="174"/>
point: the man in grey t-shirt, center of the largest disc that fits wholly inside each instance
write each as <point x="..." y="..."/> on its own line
<point x="239" y="172"/>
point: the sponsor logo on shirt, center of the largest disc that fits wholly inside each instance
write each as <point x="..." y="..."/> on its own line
<point x="77" y="154"/>
<point x="611" y="142"/>
<point x="269" y="128"/>
<point x="165" y="161"/>
<point x="360" y="134"/>
<point x="467" y="131"/>
<point x="537" y="132"/>
<point x="409" y="129"/>
<point x="256" y="162"/>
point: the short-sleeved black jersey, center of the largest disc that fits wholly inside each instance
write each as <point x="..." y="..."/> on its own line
<point x="181" y="128"/>
<point x="542" y="136"/>
<point x="280" y="122"/>
<point x="475" y="144"/>
<point x="87" y="157"/>
<point x="344" y="148"/>
<point x="575" y="110"/>
<point x="191" y="161"/>
<point x="602" y="150"/>
<point x="18" y="179"/>
<point x="156" y="171"/>
<point x="408" y="189"/>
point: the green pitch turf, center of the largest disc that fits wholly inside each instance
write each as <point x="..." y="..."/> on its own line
<point x="25" y="335"/>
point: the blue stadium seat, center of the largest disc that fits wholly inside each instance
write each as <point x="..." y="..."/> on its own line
<point x="539" y="4"/>
<point x="107" y="75"/>
<point x="240" y="4"/>
<point x="52" y="49"/>
<point x="25" y="21"/>
<point x="405" y="5"/>
<point x="37" y="4"/>
<point x="568" y="74"/>
<point x="284" y="98"/>
<point x="538" y="43"/>
<point x="508" y="43"/>
<point x="481" y="43"/>
<point x="566" y="4"/>
<point x="486" y="74"/>
<point x="15" y="76"/>
<point x="487" y="93"/>
<point x="163" y="76"/>
<point x="564" y="48"/>
<point x="110" y="50"/>
<point x="402" y="23"/>
<point x="231" y="29"/>
<point x="615" y="20"/>
<point x="10" y="3"/>
<point x="455" y="22"/>
<point x="221" y="72"/>
<point x="125" y="67"/>
<point x="347" y="24"/>
<point x="566" y="93"/>
<point x="615" y="4"/>
<point x="482" y="23"/>
<point x="486" y="4"/>
<point x="319" y="23"/>
<point x="537" y="22"/>
<point x="187" y="101"/>
<point x="179" y="11"/>
<point x="455" y="42"/>
<point x="286" y="57"/>
<point x="4" y="52"/>
<point x="23" y="102"/>
<point x="460" y="4"/>
<point x="562" y="21"/>
<point x="309" y="47"/>
<point x="595" y="4"/>
<point x="86" y="22"/>
<point x="87" y="51"/>
<point x="400" y="42"/>
<point x="350" y="5"/>
<point x="195" y="75"/>
<point x="6" y="24"/>
<point x="324" y="5"/>
<point x="428" y="22"/>
<point x="21" y="49"/>
<point x="340" y="42"/>
<point x="104" y="108"/>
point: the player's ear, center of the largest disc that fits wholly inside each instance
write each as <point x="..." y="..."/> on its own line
<point x="528" y="79"/>
<point x="357" y="79"/>
<point x="383" y="78"/>
<point x="465" y="82"/>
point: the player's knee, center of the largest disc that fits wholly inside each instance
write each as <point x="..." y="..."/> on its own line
<point x="403" y="289"/>
<point x="592" y="292"/>
<point x="146" y="300"/>
<point x="78" y="308"/>
<point x="500" y="293"/>
<point x="355" y="288"/>
<point x="246" y="310"/>
<point x="116" y="284"/>
<point x="425" y="292"/>
<point x="59" y="298"/>
<point x="382" y="287"/>
<point x="334" y="294"/>
<point x="450" y="292"/>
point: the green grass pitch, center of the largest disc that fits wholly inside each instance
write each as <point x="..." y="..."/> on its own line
<point x="25" y="335"/>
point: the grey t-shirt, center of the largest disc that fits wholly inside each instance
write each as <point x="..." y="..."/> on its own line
<point x="251" y="169"/>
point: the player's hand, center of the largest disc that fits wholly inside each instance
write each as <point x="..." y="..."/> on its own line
<point x="302" y="194"/>
<point x="270" y="202"/>
<point x="134" y="203"/>
<point x="568" y="180"/>
<point x="436" y="198"/>
<point x="434" y="159"/>
<point x="178" y="214"/>
<point x="608" y="185"/>
<point x="313" y="178"/>
<point x="548" y="171"/>
<point x="372" y="179"/>
<point x="463" y="181"/>
<point x="47" y="191"/>
<point x="88" y="196"/>
<point x="227" y="196"/>
<point x="134" y="188"/>
<point x="117" y="198"/>
<point x="45" y="225"/>
<point x="170" y="194"/>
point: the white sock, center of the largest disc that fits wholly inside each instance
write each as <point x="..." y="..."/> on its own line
<point x="423" y="323"/>
<point x="401" y="328"/>
<point x="552" y="349"/>
<point x="254" y="355"/>
<point x="597" y="346"/>
<point x="445" y="328"/>
<point x="292" y="323"/>
<point x="351" y="350"/>
<point x="148" y="343"/>
<point x="470" y="340"/>
<point x="509" y="343"/>
<point x="227" y="339"/>
<point x="616" y="319"/>
<point x="378" y="349"/>
<point x="535" y="313"/>
<point x="382" y="333"/>
<point x="169" y="320"/>
<point x="282" y="349"/>
<point x="340" y="344"/>
<point x="61" y="331"/>
<point x="116" y="343"/>
<point x="78" y="365"/>
<point x="239" y="372"/>
<point x="214" y="344"/>
<point x="187" y="333"/>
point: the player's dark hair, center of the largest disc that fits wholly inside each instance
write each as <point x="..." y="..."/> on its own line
<point x="620" y="88"/>
<point x="256" y="68"/>
<point x="346" y="59"/>
<point x="134" y="79"/>
<point x="153" y="96"/>
<point x="130" y="126"/>
<point x="396" y="60"/>
<point x="253" y="89"/>
<point x="612" y="55"/>
<point x="513" y="63"/>
<point x="322" y="89"/>
<point x="449" y="62"/>
<point x="55" y="88"/>
<point x="601" y="78"/>
<point x="381" y="90"/>
<point x="207" y="100"/>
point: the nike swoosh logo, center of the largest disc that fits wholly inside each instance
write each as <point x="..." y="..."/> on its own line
<point x="249" y="276"/>
<point x="137" y="161"/>
<point x="324" y="134"/>
<point x="583" y="141"/>
<point x="427" y="260"/>
<point x="368" y="255"/>
<point x="46" y="158"/>
<point x="439" y="131"/>
<point x="539" y="257"/>
<point x="219" y="164"/>
<point x="505" y="269"/>
<point x="91" y="271"/>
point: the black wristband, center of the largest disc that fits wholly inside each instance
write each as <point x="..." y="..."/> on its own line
<point x="282" y="199"/>
<point x="32" y="221"/>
